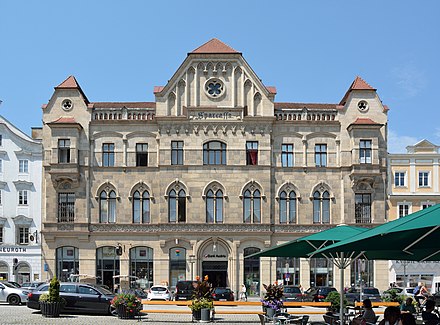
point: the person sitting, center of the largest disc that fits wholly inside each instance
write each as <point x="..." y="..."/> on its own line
<point x="368" y="315"/>
<point x="408" y="306"/>
<point x="428" y="315"/>
<point x="391" y="316"/>
<point x="407" y="319"/>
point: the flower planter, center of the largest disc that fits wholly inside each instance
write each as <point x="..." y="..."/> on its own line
<point x="197" y="314"/>
<point x="270" y="312"/>
<point x="125" y="313"/>
<point x="50" y="309"/>
<point x="205" y="315"/>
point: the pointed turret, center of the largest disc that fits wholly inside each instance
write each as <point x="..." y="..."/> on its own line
<point x="357" y="84"/>
<point x="71" y="83"/>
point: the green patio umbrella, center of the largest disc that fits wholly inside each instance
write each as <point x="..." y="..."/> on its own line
<point x="413" y="237"/>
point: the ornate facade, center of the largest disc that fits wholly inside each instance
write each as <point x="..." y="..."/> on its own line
<point x="214" y="169"/>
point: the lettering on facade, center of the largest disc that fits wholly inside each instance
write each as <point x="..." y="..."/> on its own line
<point x="12" y="250"/>
<point x="214" y="115"/>
<point x="214" y="256"/>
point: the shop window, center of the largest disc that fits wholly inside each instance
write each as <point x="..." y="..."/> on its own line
<point x="141" y="266"/>
<point x="177" y="265"/>
<point x="252" y="272"/>
<point x="288" y="270"/>
<point x="107" y="267"/>
<point x="67" y="263"/>
<point x="321" y="272"/>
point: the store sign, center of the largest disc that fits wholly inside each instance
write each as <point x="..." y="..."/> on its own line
<point x="12" y="249"/>
<point x="208" y="256"/>
<point x="215" y="115"/>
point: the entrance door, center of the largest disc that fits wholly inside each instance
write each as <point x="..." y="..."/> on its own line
<point x="217" y="272"/>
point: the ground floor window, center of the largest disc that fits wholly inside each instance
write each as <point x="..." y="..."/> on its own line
<point x="67" y="263"/>
<point x="177" y="265"/>
<point x="23" y="273"/>
<point x="362" y="273"/>
<point x="141" y="266"/>
<point x="288" y="270"/>
<point x="321" y="272"/>
<point x="4" y="271"/>
<point x="107" y="266"/>
<point x="252" y="272"/>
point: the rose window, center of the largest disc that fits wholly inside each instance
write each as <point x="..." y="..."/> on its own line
<point x="214" y="88"/>
<point x="67" y="104"/>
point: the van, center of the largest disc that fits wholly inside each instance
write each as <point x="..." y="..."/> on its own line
<point x="184" y="290"/>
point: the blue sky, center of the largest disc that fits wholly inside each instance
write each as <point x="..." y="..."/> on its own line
<point x="310" y="50"/>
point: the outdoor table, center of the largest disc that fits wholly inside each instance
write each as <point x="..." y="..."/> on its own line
<point x="280" y="319"/>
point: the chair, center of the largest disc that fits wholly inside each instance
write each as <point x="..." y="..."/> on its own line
<point x="330" y="320"/>
<point x="264" y="319"/>
<point x="368" y="323"/>
<point x="299" y="321"/>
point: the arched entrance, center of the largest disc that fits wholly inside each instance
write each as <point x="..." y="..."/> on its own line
<point x="107" y="266"/>
<point x="23" y="272"/>
<point x="4" y="271"/>
<point x="214" y="258"/>
<point x="252" y="271"/>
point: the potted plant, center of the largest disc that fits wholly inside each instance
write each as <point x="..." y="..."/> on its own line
<point x="334" y="299"/>
<point x="272" y="301"/>
<point x="127" y="305"/>
<point x="51" y="303"/>
<point x="201" y="302"/>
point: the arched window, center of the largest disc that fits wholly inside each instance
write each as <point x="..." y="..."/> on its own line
<point x="67" y="263"/>
<point x="288" y="207"/>
<point x="252" y="206"/>
<point x="214" y="153"/>
<point x="214" y="206"/>
<point x="177" y="206"/>
<point x="321" y="207"/>
<point x="141" y="207"/>
<point x="107" y="207"/>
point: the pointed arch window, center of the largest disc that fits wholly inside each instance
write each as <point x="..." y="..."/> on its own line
<point x="288" y="207"/>
<point x="141" y="207"/>
<point x="107" y="207"/>
<point x="252" y="206"/>
<point x="214" y="206"/>
<point x="321" y="207"/>
<point x="177" y="206"/>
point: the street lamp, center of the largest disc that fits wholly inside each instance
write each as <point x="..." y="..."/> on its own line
<point x="192" y="260"/>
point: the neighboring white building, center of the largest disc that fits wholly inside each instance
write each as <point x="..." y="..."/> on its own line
<point x="20" y="204"/>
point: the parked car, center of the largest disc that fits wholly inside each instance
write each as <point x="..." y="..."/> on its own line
<point x="354" y="294"/>
<point x="292" y="293"/>
<point x="317" y="294"/>
<point x="159" y="292"/>
<point x="400" y="291"/>
<point x="141" y="294"/>
<point x="15" y="284"/>
<point x="80" y="297"/>
<point x="31" y="286"/>
<point x="184" y="290"/>
<point x="12" y="294"/>
<point x="223" y="294"/>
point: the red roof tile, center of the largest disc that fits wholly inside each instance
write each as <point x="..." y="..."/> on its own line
<point x="214" y="46"/>
<point x="271" y="89"/>
<point x="71" y="83"/>
<point x="364" y="121"/>
<point x="157" y="89"/>
<point x="65" y="120"/>
<point x="357" y="84"/>
<point x="305" y="105"/>
<point x="124" y="104"/>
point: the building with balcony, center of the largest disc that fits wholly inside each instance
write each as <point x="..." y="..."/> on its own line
<point x="212" y="170"/>
<point x="20" y="203"/>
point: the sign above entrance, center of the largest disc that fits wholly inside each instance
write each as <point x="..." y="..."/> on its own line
<point x="214" y="252"/>
<point x="216" y="114"/>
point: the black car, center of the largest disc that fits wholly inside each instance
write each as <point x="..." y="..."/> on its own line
<point x="292" y="293"/>
<point x="317" y="294"/>
<point x="184" y="290"/>
<point x="80" y="298"/>
<point x="353" y="294"/>
<point x="223" y="294"/>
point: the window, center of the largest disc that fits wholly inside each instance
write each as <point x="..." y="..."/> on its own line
<point x="365" y="151"/>
<point x="214" y="206"/>
<point x="141" y="207"/>
<point x="403" y="209"/>
<point x="320" y="155"/>
<point x="107" y="207"/>
<point x="399" y="179"/>
<point x="423" y="179"/>
<point x="362" y="208"/>
<point x="23" y="166"/>
<point x="252" y="206"/>
<point x="23" y="235"/>
<point x="66" y="207"/>
<point x="177" y="206"/>
<point x="321" y="207"/>
<point x="287" y="207"/>
<point x="1" y="197"/>
<point x="1" y="166"/>
<point x="214" y="153"/>
<point x="252" y="153"/>
<point x="426" y="205"/>
<point x="141" y="154"/>
<point x="1" y="235"/>
<point x="67" y="263"/>
<point x="108" y="154"/>
<point x="287" y="155"/>
<point x="64" y="151"/>
<point x="23" y="197"/>
<point x="1" y="140"/>
<point x="176" y="152"/>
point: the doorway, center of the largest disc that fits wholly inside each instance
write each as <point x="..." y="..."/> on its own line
<point x="217" y="272"/>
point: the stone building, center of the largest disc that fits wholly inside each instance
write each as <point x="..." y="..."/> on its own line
<point x="414" y="185"/>
<point x="211" y="171"/>
<point x="20" y="203"/>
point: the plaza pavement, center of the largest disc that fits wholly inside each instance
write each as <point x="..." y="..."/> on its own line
<point x="23" y="315"/>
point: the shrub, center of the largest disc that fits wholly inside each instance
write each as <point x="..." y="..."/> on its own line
<point x="335" y="299"/>
<point x="54" y="292"/>
<point x="273" y="296"/>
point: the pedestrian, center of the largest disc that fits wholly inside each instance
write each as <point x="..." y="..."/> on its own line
<point x="243" y="294"/>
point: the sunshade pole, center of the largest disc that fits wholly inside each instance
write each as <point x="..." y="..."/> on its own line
<point x="419" y="239"/>
<point x="341" y="289"/>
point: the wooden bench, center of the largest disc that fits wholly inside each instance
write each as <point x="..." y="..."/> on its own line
<point x="379" y="304"/>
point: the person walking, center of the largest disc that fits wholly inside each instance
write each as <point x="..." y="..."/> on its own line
<point x="243" y="293"/>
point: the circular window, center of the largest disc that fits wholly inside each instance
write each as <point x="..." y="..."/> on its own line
<point x="362" y="105"/>
<point x="214" y="88"/>
<point x="67" y="104"/>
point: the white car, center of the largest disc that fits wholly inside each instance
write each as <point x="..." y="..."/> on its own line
<point x="12" y="295"/>
<point x="159" y="292"/>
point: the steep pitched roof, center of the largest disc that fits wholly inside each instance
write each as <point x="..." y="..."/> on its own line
<point x="214" y="46"/>
<point x="65" y="120"/>
<point x="357" y="84"/>
<point x="364" y="121"/>
<point x="71" y="83"/>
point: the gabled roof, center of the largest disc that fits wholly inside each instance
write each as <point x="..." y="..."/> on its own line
<point x="365" y="122"/>
<point x="214" y="46"/>
<point x="65" y="120"/>
<point x="423" y="146"/>
<point x="357" y="84"/>
<point x="71" y="83"/>
<point x="272" y="89"/>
